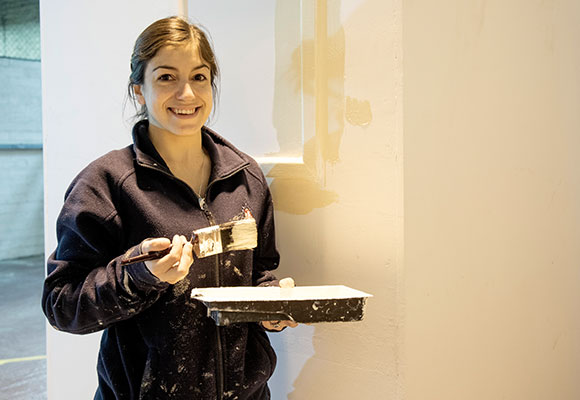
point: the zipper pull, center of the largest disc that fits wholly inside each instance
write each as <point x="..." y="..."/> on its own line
<point x="202" y="204"/>
<point x="205" y="209"/>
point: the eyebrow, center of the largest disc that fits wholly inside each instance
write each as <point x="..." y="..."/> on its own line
<point x="175" y="69"/>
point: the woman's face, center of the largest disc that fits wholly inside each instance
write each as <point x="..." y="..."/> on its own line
<point x="177" y="90"/>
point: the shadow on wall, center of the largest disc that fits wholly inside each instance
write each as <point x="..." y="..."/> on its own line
<point x="316" y="361"/>
<point x="310" y="82"/>
<point x="313" y="78"/>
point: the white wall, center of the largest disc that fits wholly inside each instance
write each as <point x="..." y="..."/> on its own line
<point x="492" y="199"/>
<point x="86" y="47"/>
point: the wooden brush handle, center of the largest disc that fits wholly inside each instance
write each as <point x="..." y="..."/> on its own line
<point x="151" y="255"/>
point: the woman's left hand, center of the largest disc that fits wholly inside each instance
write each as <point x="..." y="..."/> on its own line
<point x="279" y="325"/>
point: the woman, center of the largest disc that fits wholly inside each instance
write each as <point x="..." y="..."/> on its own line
<point x="177" y="176"/>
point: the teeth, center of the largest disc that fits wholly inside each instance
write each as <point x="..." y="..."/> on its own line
<point x="183" y="110"/>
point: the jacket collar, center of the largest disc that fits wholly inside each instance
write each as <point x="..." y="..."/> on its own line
<point x="226" y="159"/>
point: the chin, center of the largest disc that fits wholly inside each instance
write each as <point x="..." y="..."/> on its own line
<point x="189" y="131"/>
<point x="181" y="128"/>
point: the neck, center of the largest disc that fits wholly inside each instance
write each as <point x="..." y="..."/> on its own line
<point x="175" y="148"/>
<point x="184" y="156"/>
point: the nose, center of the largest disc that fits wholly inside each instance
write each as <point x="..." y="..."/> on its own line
<point x="185" y="92"/>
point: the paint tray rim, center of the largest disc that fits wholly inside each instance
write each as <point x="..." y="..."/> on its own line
<point x="242" y="294"/>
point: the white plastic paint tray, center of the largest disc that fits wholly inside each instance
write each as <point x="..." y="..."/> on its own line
<point x="332" y="303"/>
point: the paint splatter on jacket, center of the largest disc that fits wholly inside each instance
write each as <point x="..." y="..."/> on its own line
<point x="157" y="342"/>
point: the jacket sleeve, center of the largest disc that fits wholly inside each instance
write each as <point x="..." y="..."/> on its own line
<point x="86" y="288"/>
<point x="266" y="256"/>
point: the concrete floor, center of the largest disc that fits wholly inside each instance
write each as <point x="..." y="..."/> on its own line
<point x="22" y="330"/>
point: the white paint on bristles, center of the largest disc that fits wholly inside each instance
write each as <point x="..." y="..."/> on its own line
<point x="244" y="235"/>
<point x="234" y="235"/>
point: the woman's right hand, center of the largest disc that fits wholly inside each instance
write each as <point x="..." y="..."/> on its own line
<point x="174" y="266"/>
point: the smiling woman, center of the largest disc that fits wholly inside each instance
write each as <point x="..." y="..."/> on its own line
<point x="169" y="32"/>
<point x="176" y="91"/>
<point x="177" y="176"/>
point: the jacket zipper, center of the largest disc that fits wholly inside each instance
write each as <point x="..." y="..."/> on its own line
<point x="220" y="359"/>
<point x="220" y="356"/>
<point x="212" y="221"/>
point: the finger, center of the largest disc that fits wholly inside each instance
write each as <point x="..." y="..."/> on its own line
<point x="186" y="259"/>
<point x="172" y="258"/>
<point x="272" y="325"/>
<point x="177" y="269"/>
<point x="291" y="324"/>
<point x="287" y="283"/>
<point x="279" y="325"/>
<point x="177" y="246"/>
<point x="182" y="262"/>
<point x="155" y="244"/>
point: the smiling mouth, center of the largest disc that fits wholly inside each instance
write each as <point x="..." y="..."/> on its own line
<point x="184" y="111"/>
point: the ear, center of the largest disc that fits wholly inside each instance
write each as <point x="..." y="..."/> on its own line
<point x="139" y="94"/>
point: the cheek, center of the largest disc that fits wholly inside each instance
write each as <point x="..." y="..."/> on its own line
<point x="209" y="97"/>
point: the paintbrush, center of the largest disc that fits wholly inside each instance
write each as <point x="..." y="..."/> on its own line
<point x="216" y="239"/>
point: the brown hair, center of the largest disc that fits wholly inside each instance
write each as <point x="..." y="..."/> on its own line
<point x="170" y="31"/>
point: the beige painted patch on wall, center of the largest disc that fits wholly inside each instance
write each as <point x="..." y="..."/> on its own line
<point x="358" y="112"/>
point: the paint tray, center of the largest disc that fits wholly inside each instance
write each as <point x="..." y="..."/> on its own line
<point x="307" y="304"/>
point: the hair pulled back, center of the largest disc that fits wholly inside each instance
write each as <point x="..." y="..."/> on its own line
<point x="171" y="31"/>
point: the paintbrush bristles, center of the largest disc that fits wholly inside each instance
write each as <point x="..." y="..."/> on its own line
<point x="234" y="235"/>
<point x="242" y="235"/>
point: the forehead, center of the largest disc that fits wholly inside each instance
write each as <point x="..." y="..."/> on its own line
<point x="177" y="56"/>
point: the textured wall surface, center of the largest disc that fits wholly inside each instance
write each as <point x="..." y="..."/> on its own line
<point x="21" y="188"/>
<point x="20" y="29"/>
<point x="492" y="199"/>
<point x="20" y="102"/>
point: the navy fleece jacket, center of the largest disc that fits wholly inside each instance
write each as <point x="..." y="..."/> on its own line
<point x="157" y="342"/>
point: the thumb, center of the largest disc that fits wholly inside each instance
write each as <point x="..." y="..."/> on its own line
<point x="155" y="244"/>
<point x="287" y="283"/>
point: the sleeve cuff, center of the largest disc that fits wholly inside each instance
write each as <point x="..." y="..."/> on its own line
<point x="140" y="275"/>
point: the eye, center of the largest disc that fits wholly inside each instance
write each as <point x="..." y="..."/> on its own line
<point x="200" y="77"/>
<point x="165" y="77"/>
